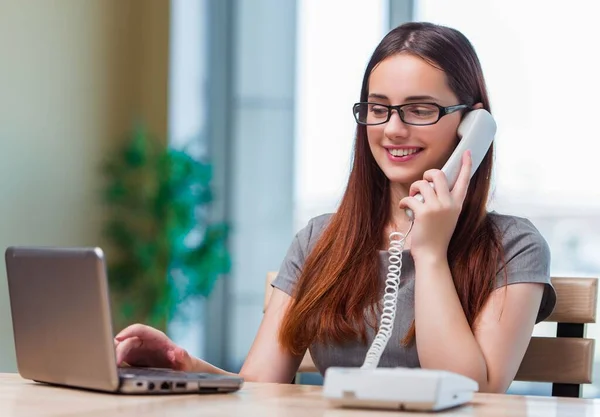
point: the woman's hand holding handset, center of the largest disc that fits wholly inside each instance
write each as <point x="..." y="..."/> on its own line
<point x="435" y="218"/>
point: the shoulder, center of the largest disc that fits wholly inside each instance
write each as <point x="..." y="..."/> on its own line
<point x="319" y="223"/>
<point x="526" y="258"/>
<point x="310" y="234"/>
<point x="509" y="223"/>
<point x="303" y="243"/>
<point x="518" y="236"/>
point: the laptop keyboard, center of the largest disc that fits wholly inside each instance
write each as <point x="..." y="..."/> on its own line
<point x="131" y="372"/>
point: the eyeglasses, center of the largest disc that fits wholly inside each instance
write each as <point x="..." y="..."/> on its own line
<point x="418" y="114"/>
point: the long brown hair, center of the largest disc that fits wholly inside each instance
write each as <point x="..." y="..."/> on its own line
<point x="340" y="278"/>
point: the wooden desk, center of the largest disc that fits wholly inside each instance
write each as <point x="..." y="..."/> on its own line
<point x="20" y="398"/>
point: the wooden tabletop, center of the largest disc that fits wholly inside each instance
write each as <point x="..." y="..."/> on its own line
<point x="20" y="398"/>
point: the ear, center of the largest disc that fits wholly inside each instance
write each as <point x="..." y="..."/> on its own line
<point x="478" y="106"/>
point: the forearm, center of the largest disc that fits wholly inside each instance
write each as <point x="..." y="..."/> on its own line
<point x="198" y="365"/>
<point x="444" y="337"/>
<point x="252" y="372"/>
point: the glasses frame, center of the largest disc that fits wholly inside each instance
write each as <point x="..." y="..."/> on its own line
<point x="442" y="111"/>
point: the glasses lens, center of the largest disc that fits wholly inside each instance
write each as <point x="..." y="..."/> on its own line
<point x="370" y="113"/>
<point x="420" y="114"/>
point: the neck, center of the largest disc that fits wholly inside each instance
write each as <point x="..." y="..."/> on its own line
<point x="398" y="217"/>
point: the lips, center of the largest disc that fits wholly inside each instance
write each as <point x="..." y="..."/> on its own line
<point x="403" y="151"/>
<point x="403" y="154"/>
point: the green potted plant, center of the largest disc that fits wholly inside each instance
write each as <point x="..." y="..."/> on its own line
<point x="162" y="247"/>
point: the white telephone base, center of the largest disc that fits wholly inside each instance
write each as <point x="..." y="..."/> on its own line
<point x="397" y="388"/>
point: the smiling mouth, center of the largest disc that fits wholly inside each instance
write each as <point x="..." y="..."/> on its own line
<point x="404" y="152"/>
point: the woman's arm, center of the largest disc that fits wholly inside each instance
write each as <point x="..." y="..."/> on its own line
<point x="267" y="361"/>
<point x="492" y="354"/>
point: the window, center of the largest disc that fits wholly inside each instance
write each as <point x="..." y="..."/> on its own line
<point x="335" y="41"/>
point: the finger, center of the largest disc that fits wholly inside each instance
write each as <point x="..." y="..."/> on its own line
<point x="425" y="189"/>
<point x="440" y="184"/>
<point x="178" y="358"/>
<point x="125" y="347"/>
<point x="136" y="330"/>
<point x="411" y="203"/>
<point x="459" y="192"/>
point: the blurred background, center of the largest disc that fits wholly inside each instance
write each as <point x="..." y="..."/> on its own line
<point x="104" y="102"/>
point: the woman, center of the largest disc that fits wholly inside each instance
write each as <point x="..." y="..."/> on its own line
<point x="456" y="309"/>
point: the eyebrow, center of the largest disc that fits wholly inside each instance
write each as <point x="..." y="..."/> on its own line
<point x="410" y="98"/>
<point x="380" y="96"/>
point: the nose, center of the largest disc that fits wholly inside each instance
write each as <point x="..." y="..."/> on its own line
<point x="395" y="128"/>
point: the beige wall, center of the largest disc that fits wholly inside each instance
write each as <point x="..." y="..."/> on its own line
<point x="74" y="75"/>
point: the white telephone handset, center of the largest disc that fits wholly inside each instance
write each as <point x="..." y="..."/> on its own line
<point x="477" y="131"/>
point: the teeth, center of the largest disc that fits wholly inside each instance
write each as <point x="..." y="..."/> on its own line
<point x="403" y="152"/>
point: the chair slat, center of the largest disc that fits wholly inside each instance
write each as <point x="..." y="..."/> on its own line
<point x="558" y="359"/>
<point x="576" y="300"/>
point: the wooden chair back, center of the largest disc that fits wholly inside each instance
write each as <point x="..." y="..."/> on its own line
<point x="565" y="360"/>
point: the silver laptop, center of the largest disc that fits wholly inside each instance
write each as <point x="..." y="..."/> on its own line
<point x="63" y="332"/>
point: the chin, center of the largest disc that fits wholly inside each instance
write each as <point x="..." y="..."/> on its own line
<point x="401" y="174"/>
<point x="399" y="178"/>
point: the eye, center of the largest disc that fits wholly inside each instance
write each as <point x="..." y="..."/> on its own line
<point x="421" y="111"/>
<point x="378" y="110"/>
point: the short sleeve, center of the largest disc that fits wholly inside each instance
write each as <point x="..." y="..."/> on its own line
<point x="302" y="244"/>
<point x="527" y="256"/>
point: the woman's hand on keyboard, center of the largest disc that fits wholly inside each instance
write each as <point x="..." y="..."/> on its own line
<point x="141" y="345"/>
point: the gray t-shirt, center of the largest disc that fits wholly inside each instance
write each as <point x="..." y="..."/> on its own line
<point x="528" y="260"/>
